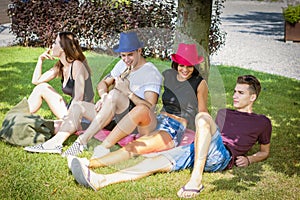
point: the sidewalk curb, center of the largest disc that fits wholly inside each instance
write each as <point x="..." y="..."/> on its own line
<point x="6" y="37"/>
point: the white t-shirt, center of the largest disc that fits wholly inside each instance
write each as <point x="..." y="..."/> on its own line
<point x="146" y="78"/>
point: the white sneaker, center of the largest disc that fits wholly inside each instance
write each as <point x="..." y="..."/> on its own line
<point x="40" y="149"/>
<point x="100" y="151"/>
<point x="84" y="161"/>
<point x="84" y="176"/>
<point x="75" y="149"/>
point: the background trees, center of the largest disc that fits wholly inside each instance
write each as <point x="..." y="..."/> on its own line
<point x="98" y="22"/>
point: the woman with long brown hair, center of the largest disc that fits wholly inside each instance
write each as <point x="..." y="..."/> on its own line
<point x="72" y="67"/>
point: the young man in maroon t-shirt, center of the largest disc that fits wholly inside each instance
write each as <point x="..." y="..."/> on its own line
<point x="223" y="143"/>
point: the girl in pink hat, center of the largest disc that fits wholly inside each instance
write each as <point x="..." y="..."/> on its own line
<point x="185" y="94"/>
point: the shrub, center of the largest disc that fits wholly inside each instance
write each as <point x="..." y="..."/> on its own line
<point x="216" y="35"/>
<point x="292" y="14"/>
<point x="98" y="23"/>
<point x="35" y="22"/>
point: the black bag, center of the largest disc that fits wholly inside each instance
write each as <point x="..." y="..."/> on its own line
<point x="22" y="128"/>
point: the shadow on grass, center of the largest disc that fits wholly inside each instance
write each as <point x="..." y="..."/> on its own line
<point x="241" y="181"/>
<point x="16" y="84"/>
<point x="14" y="81"/>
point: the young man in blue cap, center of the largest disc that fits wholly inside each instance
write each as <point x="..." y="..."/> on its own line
<point x="135" y="81"/>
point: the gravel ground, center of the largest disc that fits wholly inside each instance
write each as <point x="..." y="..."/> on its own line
<point x="255" y="39"/>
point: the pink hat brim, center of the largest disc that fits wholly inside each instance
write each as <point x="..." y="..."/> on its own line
<point x="180" y="60"/>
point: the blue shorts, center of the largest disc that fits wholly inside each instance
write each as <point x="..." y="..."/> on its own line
<point x="218" y="156"/>
<point x="171" y="126"/>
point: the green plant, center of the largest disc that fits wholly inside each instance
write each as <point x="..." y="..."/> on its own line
<point x="216" y="35"/>
<point x="292" y="13"/>
<point x="97" y="22"/>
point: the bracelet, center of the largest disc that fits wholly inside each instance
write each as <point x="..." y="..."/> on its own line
<point x="248" y="160"/>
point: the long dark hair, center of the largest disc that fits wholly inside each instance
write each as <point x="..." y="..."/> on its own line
<point x="72" y="49"/>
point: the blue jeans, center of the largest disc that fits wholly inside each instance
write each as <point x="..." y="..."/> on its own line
<point x="171" y="126"/>
<point x="218" y="156"/>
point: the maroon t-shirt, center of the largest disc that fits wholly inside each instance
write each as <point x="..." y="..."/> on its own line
<point x="240" y="131"/>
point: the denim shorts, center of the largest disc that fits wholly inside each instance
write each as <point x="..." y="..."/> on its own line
<point x="171" y="126"/>
<point x="218" y="156"/>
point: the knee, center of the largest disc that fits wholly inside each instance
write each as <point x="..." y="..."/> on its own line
<point x="76" y="107"/>
<point x="115" y="96"/>
<point x="203" y="118"/>
<point x="40" y="88"/>
<point x="140" y="110"/>
<point x="204" y="121"/>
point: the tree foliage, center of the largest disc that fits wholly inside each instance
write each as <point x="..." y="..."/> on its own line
<point x="216" y="35"/>
<point x="98" y="23"/>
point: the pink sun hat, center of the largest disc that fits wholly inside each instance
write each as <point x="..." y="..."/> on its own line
<point x="187" y="55"/>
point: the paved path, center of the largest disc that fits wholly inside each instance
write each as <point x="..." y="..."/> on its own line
<point x="255" y="33"/>
<point x="6" y="38"/>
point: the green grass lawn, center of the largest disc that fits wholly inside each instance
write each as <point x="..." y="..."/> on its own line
<point x="43" y="176"/>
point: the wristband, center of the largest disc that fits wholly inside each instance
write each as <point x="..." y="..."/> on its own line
<point x="248" y="160"/>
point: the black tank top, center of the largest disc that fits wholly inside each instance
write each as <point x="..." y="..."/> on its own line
<point x="180" y="98"/>
<point x="69" y="87"/>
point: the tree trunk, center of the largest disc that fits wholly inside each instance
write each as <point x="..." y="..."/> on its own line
<point x="194" y="21"/>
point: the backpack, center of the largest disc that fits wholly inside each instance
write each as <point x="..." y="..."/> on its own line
<point x="22" y="128"/>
